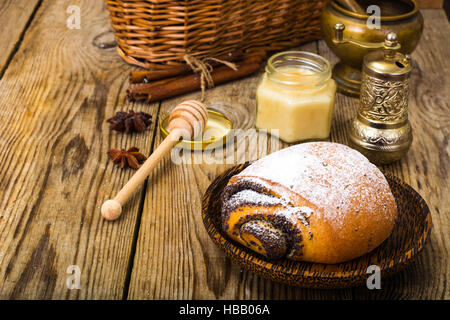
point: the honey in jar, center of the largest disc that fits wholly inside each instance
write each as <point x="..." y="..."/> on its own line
<point x="296" y="96"/>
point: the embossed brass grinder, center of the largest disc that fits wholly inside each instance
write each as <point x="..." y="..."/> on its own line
<point x="381" y="130"/>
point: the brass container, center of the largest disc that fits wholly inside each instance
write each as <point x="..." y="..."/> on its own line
<point x="381" y="130"/>
<point x="402" y="17"/>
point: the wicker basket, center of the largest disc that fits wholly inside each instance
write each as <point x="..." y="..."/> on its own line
<point x="154" y="33"/>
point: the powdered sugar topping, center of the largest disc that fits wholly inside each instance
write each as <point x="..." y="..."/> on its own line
<point x="330" y="175"/>
<point x="255" y="198"/>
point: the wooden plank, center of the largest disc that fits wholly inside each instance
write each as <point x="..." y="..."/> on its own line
<point x="430" y="4"/>
<point x="54" y="99"/>
<point x="14" y="16"/>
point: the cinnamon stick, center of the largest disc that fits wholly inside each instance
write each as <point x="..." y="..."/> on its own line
<point x="140" y="90"/>
<point x="177" y="70"/>
<point x="184" y="84"/>
<point x="138" y="76"/>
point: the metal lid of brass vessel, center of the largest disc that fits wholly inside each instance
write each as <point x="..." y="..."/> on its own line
<point x="362" y="36"/>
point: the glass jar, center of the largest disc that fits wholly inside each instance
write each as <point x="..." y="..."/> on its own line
<point x="296" y="96"/>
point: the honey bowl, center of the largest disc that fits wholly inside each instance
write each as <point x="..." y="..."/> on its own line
<point x="217" y="131"/>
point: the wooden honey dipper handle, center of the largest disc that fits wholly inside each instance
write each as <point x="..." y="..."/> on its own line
<point x="187" y="120"/>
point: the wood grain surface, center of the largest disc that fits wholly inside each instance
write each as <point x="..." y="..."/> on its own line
<point x="15" y="16"/>
<point x="430" y="4"/>
<point x="57" y="90"/>
<point x="55" y="96"/>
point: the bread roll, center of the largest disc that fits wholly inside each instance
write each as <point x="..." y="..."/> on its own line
<point x="320" y="202"/>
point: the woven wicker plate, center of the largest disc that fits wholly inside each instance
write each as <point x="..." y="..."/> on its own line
<point x="410" y="233"/>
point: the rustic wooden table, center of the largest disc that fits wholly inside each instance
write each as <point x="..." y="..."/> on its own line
<point x="57" y="88"/>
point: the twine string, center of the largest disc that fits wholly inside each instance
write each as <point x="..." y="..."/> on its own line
<point x="204" y="68"/>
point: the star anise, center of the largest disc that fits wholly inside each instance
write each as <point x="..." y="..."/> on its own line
<point x="129" y="158"/>
<point x="130" y="121"/>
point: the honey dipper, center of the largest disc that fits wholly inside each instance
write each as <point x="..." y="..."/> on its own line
<point x="187" y="120"/>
